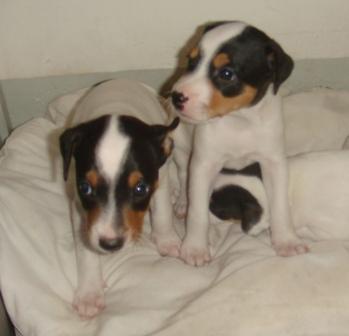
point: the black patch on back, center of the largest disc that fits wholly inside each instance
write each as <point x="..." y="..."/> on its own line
<point x="235" y="202"/>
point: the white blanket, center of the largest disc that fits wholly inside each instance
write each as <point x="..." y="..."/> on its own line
<point x="246" y="290"/>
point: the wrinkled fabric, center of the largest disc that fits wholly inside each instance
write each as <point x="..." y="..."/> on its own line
<point x="246" y="290"/>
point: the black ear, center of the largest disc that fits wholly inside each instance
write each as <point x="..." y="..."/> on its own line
<point x="162" y="140"/>
<point x="68" y="142"/>
<point x="280" y="63"/>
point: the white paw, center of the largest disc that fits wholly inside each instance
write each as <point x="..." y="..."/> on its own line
<point x="89" y="303"/>
<point x="195" y="255"/>
<point x="290" y="248"/>
<point x="167" y="244"/>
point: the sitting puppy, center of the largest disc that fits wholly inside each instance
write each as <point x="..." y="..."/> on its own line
<point x="230" y="92"/>
<point x="119" y="166"/>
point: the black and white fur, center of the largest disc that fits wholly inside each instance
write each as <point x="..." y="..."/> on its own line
<point x="230" y="94"/>
<point x="120" y="144"/>
<point x="318" y="196"/>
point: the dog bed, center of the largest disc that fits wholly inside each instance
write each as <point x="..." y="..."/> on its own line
<point x="246" y="290"/>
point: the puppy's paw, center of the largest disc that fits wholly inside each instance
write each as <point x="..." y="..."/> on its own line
<point x="290" y="248"/>
<point x="167" y="244"/>
<point x="89" y="303"/>
<point x="195" y="255"/>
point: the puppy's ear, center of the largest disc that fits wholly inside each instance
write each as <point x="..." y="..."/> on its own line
<point x="162" y="140"/>
<point x="68" y="142"/>
<point x="279" y="62"/>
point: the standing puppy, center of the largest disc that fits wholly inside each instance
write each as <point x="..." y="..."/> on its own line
<point x="230" y="92"/>
<point x="119" y="166"/>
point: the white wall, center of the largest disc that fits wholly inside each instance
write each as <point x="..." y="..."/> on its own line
<point x="56" y="37"/>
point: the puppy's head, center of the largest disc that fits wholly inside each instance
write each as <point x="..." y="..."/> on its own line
<point x="230" y="68"/>
<point x="117" y="162"/>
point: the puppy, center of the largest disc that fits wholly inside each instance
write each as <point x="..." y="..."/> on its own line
<point x="230" y="92"/>
<point x="318" y="196"/>
<point x="120" y="145"/>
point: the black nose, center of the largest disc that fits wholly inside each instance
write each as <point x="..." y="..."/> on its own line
<point x="111" y="244"/>
<point x="178" y="99"/>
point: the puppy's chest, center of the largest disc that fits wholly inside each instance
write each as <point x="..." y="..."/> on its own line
<point x="235" y="139"/>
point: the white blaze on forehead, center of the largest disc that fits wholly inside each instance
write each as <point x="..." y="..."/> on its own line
<point x="214" y="38"/>
<point x="111" y="150"/>
<point x="209" y="45"/>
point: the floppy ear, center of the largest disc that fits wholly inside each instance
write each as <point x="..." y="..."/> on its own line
<point x="280" y="63"/>
<point x="162" y="141"/>
<point x="68" y="142"/>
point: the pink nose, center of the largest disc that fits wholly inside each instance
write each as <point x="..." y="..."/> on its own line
<point x="178" y="100"/>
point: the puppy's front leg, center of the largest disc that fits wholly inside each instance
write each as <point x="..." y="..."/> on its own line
<point x="283" y="236"/>
<point x="163" y="232"/>
<point x="181" y="159"/>
<point x="195" y="247"/>
<point x="89" y="294"/>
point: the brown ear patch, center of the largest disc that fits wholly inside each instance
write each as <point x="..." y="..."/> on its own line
<point x="221" y="105"/>
<point x="194" y="52"/>
<point x="134" y="178"/>
<point x="92" y="177"/>
<point x="133" y="222"/>
<point x="220" y="60"/>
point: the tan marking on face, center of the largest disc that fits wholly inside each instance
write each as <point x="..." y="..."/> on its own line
<point x="221" y="105"/>
<point x="221" y="60"/>
<point x="92" y="216"/>
<point x="134" y="178"/>
<point x="133" y="222"/>
<point x="194" y="52"/>
<point x="92" y="177"/>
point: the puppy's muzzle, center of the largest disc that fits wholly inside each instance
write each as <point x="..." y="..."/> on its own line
<point x="111" y="245"/>
<point x="178" y="100"/>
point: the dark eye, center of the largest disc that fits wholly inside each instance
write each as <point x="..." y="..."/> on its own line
<point x="141" y="189"/>
<point x="226" y="74"/>
<point x="85" y="188"/>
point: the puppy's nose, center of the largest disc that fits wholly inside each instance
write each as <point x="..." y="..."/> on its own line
<point x="178" y="99"/>
<point x="111" y="245"/>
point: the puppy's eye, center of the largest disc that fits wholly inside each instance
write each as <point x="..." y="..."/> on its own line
<point x="227" y="74"/>
<point x="85" y="188"/>
<point x="141" y="189"/>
